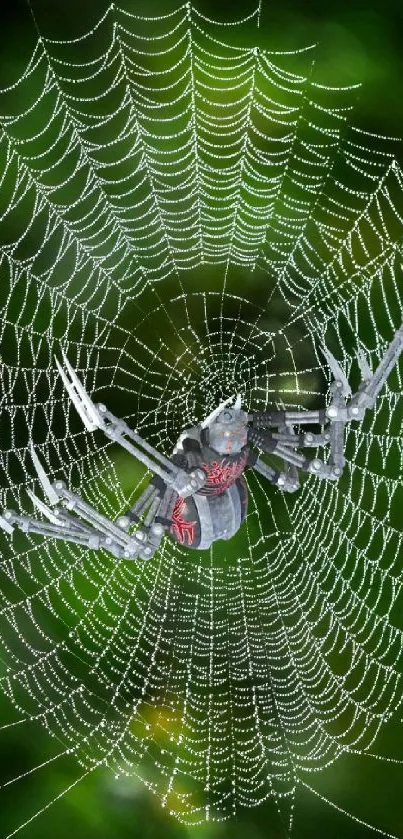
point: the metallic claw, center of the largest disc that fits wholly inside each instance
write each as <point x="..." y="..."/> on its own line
<point x="5" y="525"/>
<point x="43" y="508"/>
<point x="46" y="485"/>
<point x="387" y="364"/>
<point x="79" y="396"/>
<point x="367" y="393"/>
<point x="88" y="403"/>
<point x="366" y="371"/>
<point x="338" y="373"/>
<point x="73" y="396"/>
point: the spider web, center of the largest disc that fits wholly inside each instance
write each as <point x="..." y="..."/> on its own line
<point x="139" y="163"/>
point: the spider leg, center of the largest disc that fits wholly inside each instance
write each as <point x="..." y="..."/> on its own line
<point x="65" y="529"/>
<point x="336" y="416"/>
<point x="159" y="500"/>
<point x="313" y="465"/>
<point x="336" y="431"/>
<point x="284" y="445"/>
<point x="101" y="523"/>
<point x="144" y="541"/>
<point x="96" y="531"/>
<point x="338" y="411"/>
<point x="338" y="373"/>
<point x="278" y="419"/>
<point x="286" y="481"/>
<point x="62" y="525"/>
<point x="97" y="416"/>
<point x="373" y="383"/>
<point x="290" y="439"/>
<point x="135" y="514"/>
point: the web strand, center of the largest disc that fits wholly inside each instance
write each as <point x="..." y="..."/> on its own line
<point x="140" y="162"/>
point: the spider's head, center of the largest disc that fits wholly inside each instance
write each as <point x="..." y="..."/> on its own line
<point x="227" y="428"/>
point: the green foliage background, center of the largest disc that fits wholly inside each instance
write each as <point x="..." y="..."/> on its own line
<point x="357" y="42"/>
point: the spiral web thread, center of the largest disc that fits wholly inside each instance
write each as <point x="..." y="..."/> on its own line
<point x="136" y="163"/>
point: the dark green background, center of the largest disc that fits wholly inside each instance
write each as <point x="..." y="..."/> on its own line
<point x="357" y="41"/>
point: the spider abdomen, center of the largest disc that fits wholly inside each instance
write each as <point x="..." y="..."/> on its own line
<point x="200" y="520"/>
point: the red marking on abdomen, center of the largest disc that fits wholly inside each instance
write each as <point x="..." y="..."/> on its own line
<point x="221" y="475"/>
<point x="180" y="527"/>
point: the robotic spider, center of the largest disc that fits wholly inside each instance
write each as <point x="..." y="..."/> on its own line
<point x="199" y="494"/>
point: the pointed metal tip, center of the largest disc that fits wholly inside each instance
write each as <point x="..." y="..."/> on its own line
<point x="6" y="526"/>
<point x="64" y="357"/>
<point x="44" y="480"/>
<point x="337" y="371"/>
<point x="69" y="366"/>
<point x="78" y="395"/>
<point x="365" y="369"/>
<point x="43" y="508"/>
<point x="32" y="496"/>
